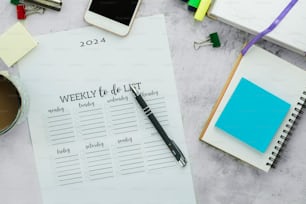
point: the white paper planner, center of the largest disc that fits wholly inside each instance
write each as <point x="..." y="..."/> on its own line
<point x="256" y="15"/>
<point x="92" y="141"/>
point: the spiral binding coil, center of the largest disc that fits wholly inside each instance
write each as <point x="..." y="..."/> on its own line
<point x="287" y="131"/>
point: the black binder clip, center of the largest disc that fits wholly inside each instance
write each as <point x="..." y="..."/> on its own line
<point x="48" y="4"/>
<point x="212" y="40"/>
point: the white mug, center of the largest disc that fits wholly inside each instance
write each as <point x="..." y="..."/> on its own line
<point x="13" y="103"/>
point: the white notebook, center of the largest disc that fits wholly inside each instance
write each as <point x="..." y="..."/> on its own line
<point x="92" y="141"/>
<point x="276" y="76"/>
<point x="255" y="16"/>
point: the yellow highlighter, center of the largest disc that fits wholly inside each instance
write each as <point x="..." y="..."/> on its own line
<point x="202" y="10"/>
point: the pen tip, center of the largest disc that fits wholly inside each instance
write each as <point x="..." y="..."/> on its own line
<point x="133" y="89"/>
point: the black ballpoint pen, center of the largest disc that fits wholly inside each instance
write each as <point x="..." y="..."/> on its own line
<point x="170" y="143"/>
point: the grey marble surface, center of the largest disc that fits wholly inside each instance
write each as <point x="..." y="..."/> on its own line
<point x="200" y="75"/>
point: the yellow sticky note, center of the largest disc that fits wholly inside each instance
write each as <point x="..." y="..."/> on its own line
<point x="15" y="43"/>
<point x="202" y="10"/>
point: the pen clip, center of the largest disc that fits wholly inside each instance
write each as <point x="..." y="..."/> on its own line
<point x="182" y="160"/>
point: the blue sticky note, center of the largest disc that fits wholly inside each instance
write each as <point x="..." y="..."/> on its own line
<point x="253" y="115"/>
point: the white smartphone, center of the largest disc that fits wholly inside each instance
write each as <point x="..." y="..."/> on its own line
<point x="116" y="16"/>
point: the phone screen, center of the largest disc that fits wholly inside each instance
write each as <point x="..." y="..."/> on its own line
<point x="118" y="10"/>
